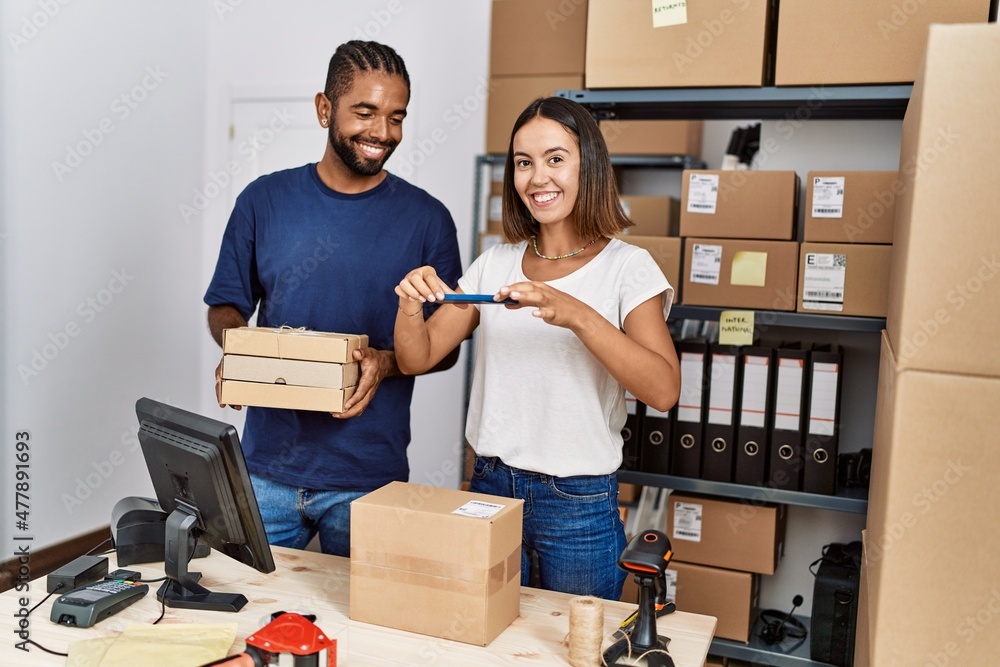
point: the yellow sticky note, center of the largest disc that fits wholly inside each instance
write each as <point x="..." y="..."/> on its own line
<point x="736" y="327"/>
<point x="749" y="268"/>
<point x="669" y="12"/>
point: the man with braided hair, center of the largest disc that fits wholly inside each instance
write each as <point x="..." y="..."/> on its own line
<point x="322" y="246"/>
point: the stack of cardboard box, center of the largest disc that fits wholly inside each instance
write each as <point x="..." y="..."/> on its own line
<point x="930" y="589"/>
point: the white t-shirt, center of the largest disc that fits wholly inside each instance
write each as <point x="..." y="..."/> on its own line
<point x="540" y="400"/>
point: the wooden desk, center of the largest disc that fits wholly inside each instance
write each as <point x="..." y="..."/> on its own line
<point x="317" y="583"/>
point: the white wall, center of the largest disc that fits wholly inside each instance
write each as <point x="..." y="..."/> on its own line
<point x="103" y="279"/>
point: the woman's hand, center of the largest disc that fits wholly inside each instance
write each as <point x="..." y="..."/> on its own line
<point x="553" y="306"/>
<point x="421" y="285"/>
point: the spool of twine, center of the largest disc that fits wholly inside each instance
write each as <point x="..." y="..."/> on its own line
<point x="586" y="631"/>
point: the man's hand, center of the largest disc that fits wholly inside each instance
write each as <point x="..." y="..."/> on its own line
<point x="376" y="365"/>
<point x="218" y="388"/>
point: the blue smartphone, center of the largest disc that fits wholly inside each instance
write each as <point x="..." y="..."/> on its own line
<point x="474" y="298"/>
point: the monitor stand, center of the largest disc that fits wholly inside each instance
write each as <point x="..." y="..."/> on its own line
<point x="181" y="590"/>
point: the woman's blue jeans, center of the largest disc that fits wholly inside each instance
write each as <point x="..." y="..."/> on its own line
<point x="571" y="523"/>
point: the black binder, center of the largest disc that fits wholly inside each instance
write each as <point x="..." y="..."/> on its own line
<point x="655" y="434"/>
<point x="754" y="418"/>
<point x="689" y="415"/>
<point x="786" y="454"/>
<point x="723" y="403"/>
<point x="819" y="474"/>
<point x="630" y="433"/>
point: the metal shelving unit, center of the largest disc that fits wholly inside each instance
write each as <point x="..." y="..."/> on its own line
<point x="788" y="652"/>
<point x="778" y="318"/>
<point x="798" y="103"/>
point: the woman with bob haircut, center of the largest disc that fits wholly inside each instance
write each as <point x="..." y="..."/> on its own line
<point x="547" y="403"/>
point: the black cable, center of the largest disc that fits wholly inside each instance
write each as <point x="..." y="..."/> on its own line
<point x="775" y="628"/>
<point x="58" y="586"/>
<point x="91" y="552"/>
<point x="31" y="641"/>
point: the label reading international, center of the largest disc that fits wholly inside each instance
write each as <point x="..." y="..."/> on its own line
<point x="669" y="12"/>
<point x="478" y="509"/>
<point x="823" y="281"/>
<point x="706" y="264"/>
<point x="703" y="193"/>
<point x="828" y="197"/>
<point x="687" y="522"/>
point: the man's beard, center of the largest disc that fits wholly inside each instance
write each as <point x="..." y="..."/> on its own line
<point x="346" y="149"/>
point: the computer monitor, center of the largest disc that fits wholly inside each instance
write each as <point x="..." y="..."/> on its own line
<point x="200" y="478"/>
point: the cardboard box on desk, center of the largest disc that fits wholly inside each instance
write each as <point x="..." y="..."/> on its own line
<point x="851" y="206"/>
<point x="739" y="204"/>
<point x="726" y="534"/>
<point x="453" y="555"/>
<point x="716" y="43"/>
<point x="887" y="38"/>
<point x="944" y="287"/>
<point x="740" y="274"/>
<point x="285" y="343"/>
<point x="666" y="252"/>
<point x="844" y="279"/>
<point x="933" y="490"/>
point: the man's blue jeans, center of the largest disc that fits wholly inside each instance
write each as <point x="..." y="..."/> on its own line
<point x="293" y="515"/>
<point x="572" y="523"/>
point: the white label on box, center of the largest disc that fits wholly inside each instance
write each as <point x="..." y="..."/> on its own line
<point x="823" y="281"/>
<point x="671" y="584"/>
<point x="755" y="371"/>
<point x="479" y="509"/>
<point x="706" y="264"/>
<point x="687" y="522"/>
<point x="788" y="397"/>
<point x="689" y="404"/>
<point x="703" y="192"/>
<point x="828" y="197"/>
<point x="496" y="208"/>
<point x="823" y="405"/>
<point x="669" y="12"/>
<point x="721" y="388"/>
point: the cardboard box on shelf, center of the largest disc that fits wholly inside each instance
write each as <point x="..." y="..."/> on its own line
<point x="729" y="534"/>
<point x="944" y="287"/>
<point x="652" y="137"/>
<point x="508" y="97"/>
<point x="739" y="273"/>
<point x="652" y="215"/>
<point x="454" y="555"/>
<point x="666" y="252"/>
<point x="530" y="37"/>
<point x="739" y="204"/>
<point x="887" y="38"/>
<point x="286" y="343"/>
<point x="290" y="371"/>
<point x="851" y="206"/>
<point x="715" y="43"/>
<point x="844" y="279"/>
<point x="729" y="595"/>
<point x="285" y="396"/>
<point x="628" y="493"/>
<point x="933" y="484"/>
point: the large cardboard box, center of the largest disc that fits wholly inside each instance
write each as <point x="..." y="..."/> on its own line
<point x="529" y="37"/>
<point x="666" y="252"/>
<point x="290" y="371"/>
<point x="851" y="206"/>
<point x="739" y="204"/>
<point x="844" y="279"/>
<point x="652" y="137"/>
<point x="733" y="535"/>
<point x="944" y="291"/>
<point x="286" y="343"/>
<point x="284" y="396"/>
<point x="886" y="38"/>
<point x="729" y="595"/>
<point x="652" y="215"/>
<point x="741" y="274"/>
<point x="931" y="523"/>
<point x="436" y="561"/>
<point x="721" y="43"/>
<point x="508" y="97"/>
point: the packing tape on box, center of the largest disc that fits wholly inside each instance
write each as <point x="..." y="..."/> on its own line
<point x="437" y="573"/>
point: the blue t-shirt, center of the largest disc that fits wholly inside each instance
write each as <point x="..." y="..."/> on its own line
<point x="307" y="256"/>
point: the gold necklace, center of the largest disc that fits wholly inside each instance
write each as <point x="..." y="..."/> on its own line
<point x="534" y="244"/>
